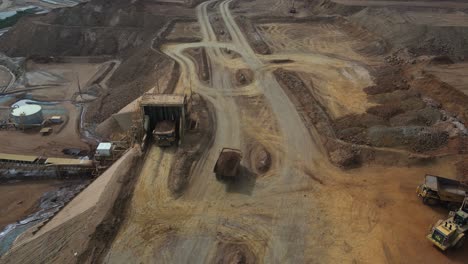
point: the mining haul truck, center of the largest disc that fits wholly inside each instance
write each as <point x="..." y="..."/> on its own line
<point x="164" y="118"/>
<point x="451" y="233"/>
<point x="437" y="190"/>
<point x="164" y="133"/>
<point x="228" y="164"/>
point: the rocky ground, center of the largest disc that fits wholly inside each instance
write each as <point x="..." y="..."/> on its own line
<point x="358" y="99"/>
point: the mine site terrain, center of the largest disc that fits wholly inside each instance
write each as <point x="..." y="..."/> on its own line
<point x="233" y="131"/>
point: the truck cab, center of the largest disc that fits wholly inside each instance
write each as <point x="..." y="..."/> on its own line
<point x="164" y="133"/>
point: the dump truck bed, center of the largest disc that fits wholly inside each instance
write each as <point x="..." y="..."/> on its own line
<point x="228" y="162"/>
<point x="164" y="127"/>
<point x="441" y="184"/>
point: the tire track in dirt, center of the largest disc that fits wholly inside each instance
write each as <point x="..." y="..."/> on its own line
<point x="268" y="226"/>
<point x="299" y="149"/>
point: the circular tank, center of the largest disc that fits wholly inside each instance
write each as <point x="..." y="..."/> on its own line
<point x="27" y="115"/>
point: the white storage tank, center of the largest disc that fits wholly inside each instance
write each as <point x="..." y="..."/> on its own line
<point x="27" y="115"/>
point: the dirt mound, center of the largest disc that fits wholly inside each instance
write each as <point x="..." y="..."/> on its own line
<point x="282" y="61"/>
<point x="402" y="32"/>
<point x="394" y="97"/>
<point x="412" y="103"/>
<point x="195" y="143"/>
<point x="424" y="117"/>
<point x="450" y="99"/>
<point x="356" y="135"/>
<point x="233" y="253"/>
<point x="312" y="112"/>
<point x="344" y="158"/>
<point x="387" y="79"/>
<point x="444" y="59"/>
<point x="244" y="77"/>
<point x="108" y="128"/>
<point x="135" y="76"/>
<point x="358" y="120"/>
<point x="430" y="140"/>
<point x="94" y="28"/>
<point x="385" y="111"/>
<point x="418" y="138"/>
<point x="260" y="158"/>
<point x="201" y="61"/>
<point x="330" y="7"/>
<point x="462" y="171"/>
<point x="374" y="89"/>
<point x="255" y="39"/>
<point x="343" y="155"/>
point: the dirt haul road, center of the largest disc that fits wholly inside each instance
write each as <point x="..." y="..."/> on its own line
<point x="296" y="212"/>
<point x="207" y="218"/>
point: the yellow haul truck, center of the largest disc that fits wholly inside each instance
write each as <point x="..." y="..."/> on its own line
<point x="164" y="133"/>
<point x="228" y="164"/>
<point x="437" y="190"/>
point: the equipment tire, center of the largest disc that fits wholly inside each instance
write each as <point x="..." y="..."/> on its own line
<point x="430" y="201"/>
<point x="460" y="243"/>
<point x="453" y="206"/>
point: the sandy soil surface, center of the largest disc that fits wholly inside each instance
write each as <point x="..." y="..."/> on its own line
<point x="290" y="204"/>
<point x="257" y="219"/>
<point x="55" y="82"/>
<point x="327" y="53"/>
<point x="58" y="79"/>
<point x="31" y="142"/>
<point x="91" y="206"/>
<point x="310" y="37"/>
<point x="184" y="30"/>
<point x="18" y="200"/>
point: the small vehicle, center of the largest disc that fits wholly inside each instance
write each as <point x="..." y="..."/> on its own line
<point x="438" y="190"/>
<point x="451" y="233"/>
<point x="228" y="164"/>
<point x="293" y="10"/>
<point x="164" y="133"/>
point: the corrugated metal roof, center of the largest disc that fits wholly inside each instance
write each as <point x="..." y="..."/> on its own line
<point x="163" y="99"/>
<point x="4" y="156"/>
<point x="62" y="161"/>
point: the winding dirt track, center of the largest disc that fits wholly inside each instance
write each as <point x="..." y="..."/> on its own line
<point x="269" y="218"/>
